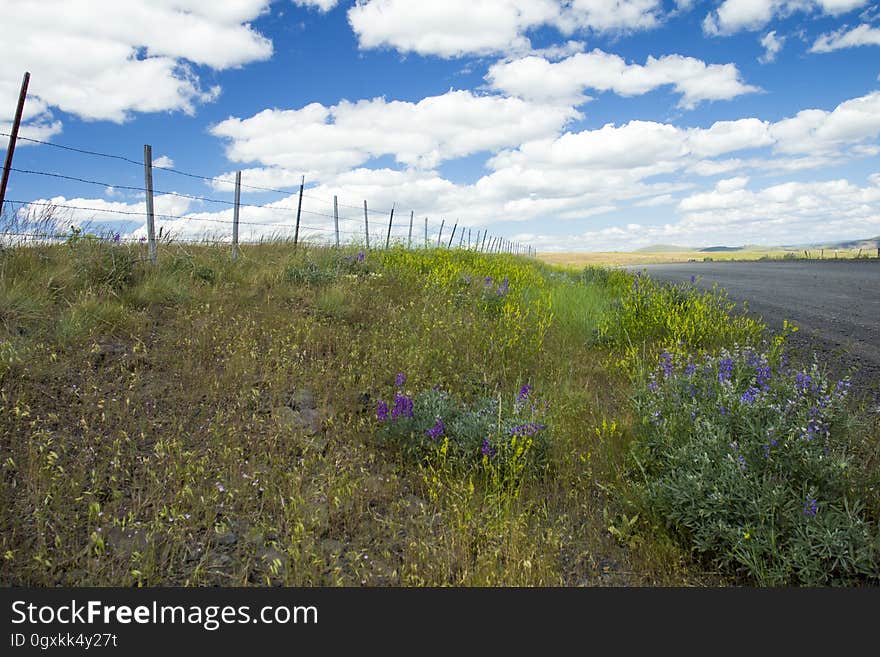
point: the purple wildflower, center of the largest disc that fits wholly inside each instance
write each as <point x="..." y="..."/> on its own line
<point x="668" y="365"/>
<point x="403" y="406"/>
<point x="437" y="430"/>
<point x="117" y="238"/>
<point x="693" y="279"/>
<point x="523" y="392"/>
<point x="529" y="429"/>
<point x="382" y="411"/>
<point x="400" y="379"/>
<point x="360" y="256"/>
<point x="802" y="381"/>
<point x="504" y="288"/>
<point x="652" y="384"/>
<point x="762" y="376"/>
<point x="487" y="449"/>
<point x="725" y="369"/>
<point x="811" y="506"/>
<point x="690" y="369"/>
<point x="488" y="281"/>
<point x="842" y="387"/>
<point x="749" y="396"/>
<point x="722" y="410"/>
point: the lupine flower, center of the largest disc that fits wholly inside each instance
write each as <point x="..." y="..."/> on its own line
<point x="403" y="406"/>
<point x="749" y="396"/>
<point x="693" y="279"/>
<point x="487" y="449"/>
<point x="400" y="379"/>
<point x="690" y="369"/>
<point x="842" y="387"/>
<point x="504" y="288"/>
<point x="762" y="376"/>
<point x="360" y="256"/>
<point x="117" y="238"/>
<point x="437" y="430"/>
<point x="811" y="506"/>
<point x="722" y="410"/>
<point x="529" y="429"/>
<point x="652" y="384"/>
<point x="523" y="392"/>
<point x="668" y="365"/>
<point x="488" y="281"/>
<point x="382" y="411"/>
<point x="802" y="381"/>
<point x="725" y="369"/>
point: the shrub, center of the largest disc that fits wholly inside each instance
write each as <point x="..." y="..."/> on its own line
<point x="652" y="312"/>
<point x="486" y="431"/>
<point x="748" y="460"/>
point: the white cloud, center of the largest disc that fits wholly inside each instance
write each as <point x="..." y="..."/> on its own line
<point x="611" y="15"/>
<point x="454" y="28"/>
<point x="322" y="141"/>
<point x="538" y="79"/>
<point x="772" y="45"/>
<point x="103" y="60"/>
<point x="163" y="162"/>
<point x="736" y="15"/>
<point x="320" y="5"/>
<point x="818" y="132"/>
<point x="863" y="35"/>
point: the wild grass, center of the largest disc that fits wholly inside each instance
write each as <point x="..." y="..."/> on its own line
<point x="210" y="422"/>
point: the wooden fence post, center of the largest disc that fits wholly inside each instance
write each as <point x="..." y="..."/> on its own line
<point x="440" y="234"/>
<point x="483" y="245"/>
<point x="336" y="218"/>
<point x="388" y="236"/>
<point x="302" y="184"/>
<point x="366" y="225"/>
<point x="452" y="236"/>
<point x="426" y="232"/>
<point x="148" y="187"/>
<point x="235" y="211"/>
<point x="13" y="136"/>
<point x="409" y="240"/>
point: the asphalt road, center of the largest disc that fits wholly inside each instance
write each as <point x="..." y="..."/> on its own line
<point x="836" y="304"/>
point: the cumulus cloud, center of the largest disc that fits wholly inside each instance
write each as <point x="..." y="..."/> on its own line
<point x="140" y="56"/>
<point x="772" y="45"/>
<point x="454" y="28"/>
<point x="536" y="78"/>
<point x="320" y="5"/>
<point x="163" y="162"/>
<point x="863" y="35"/>
<point x="736" y="15"/>
<point x="323" y="141"/>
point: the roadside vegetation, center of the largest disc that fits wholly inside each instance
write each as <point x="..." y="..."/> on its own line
<point x="403" y="418"/>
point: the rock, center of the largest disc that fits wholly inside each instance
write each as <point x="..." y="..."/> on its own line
<point x="229" y="538"/>
<point x="302" y="399"/>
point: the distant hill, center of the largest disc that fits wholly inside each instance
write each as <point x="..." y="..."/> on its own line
<point x="719" y="249"/>
<point x="663" y="248"/>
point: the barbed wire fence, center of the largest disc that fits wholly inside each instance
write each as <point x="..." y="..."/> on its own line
<point x="312" y="220"/>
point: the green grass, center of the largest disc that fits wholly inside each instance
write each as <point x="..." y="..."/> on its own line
<point x="209" y="422"/>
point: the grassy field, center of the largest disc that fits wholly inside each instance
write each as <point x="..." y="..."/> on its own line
<point x="408" y="418"/>
<point x="613" y="258"/>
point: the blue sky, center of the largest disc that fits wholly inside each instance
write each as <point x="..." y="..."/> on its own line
<point x="571" y="125"/>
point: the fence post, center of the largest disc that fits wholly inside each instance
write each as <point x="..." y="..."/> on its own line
<point x="298" y="211"/>
<point x="148" y="186"/>
<point x="235" y="211"/>
<point x="440" y="234"/>
<point x="13" y="136"/>
<point x="409" y="240"/>
<point x="483" y="245"/>
<point x="461" y="239"/>
<point x="336" y="218"/>
<point x="388" y="236"/>
<point x="426" y="232"/>
<point x="366" y="224"/>
<point x="452" y="236"/>
<point x="469" y="239"/>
